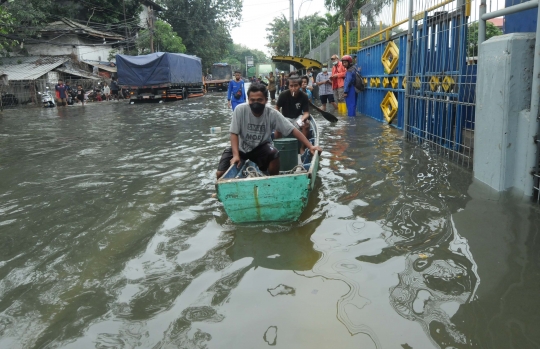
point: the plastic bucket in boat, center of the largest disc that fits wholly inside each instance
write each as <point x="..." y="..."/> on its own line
<point x="288" y="153"/>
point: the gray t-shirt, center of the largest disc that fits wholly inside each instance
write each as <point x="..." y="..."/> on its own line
<point x="253" y="131"/>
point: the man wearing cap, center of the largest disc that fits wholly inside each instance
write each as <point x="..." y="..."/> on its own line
<point x="338" y="79"/>
<point x="326" y="94"/>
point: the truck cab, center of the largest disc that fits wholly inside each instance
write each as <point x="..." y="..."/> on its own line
<point x="221" y="75"/>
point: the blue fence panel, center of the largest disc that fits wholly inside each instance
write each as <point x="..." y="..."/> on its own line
<point x="442" y="95"/>
<point x="369" y="101"/>
<point x="441" y="84"/>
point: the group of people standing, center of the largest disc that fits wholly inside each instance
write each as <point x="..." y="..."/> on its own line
<point x="336" y="87"/>
<point x="64" y="91"/>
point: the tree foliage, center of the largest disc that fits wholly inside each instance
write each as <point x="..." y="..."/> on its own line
<point x="347" y="7"/>
<point x="165" y="39"/>
<point x="204" y="26"/>
<point x="472" y="36"/>
<point x="32" y="14"/>
<point x="6" y="23"/>
<point x="237" y="53"/>
<point x="315" y="27"/>
<point x="278" y="36"/>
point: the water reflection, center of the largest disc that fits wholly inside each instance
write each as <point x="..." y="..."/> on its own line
<point x="433" y="286"/>
<point x="397" y="215"/>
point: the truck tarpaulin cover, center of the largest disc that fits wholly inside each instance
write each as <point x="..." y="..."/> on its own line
<point x="158" y="68"/>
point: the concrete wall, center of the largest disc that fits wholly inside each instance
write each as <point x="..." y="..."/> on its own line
<point x="77" y="46"/>
<point x="504" y="151"/>
<point x="144" y="16"/>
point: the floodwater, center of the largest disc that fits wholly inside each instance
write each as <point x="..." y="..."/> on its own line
<point x="110" y="238"/>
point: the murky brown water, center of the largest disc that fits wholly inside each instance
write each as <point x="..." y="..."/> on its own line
<point x="110" y="238"/>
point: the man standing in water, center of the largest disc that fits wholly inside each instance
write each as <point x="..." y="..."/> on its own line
<point x="325" y="89"/>
<point x="338" y="79"/>
<point x="251" y="134"/>
<point x="272" y="86"/>
<point x="349" y="91"/>
<point x="61" y="93"/>
<point x="236" y="94"/>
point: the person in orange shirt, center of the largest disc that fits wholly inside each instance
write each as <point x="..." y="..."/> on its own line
<point x="338" y="79"/>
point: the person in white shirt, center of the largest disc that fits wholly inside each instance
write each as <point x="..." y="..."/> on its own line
<point x="107" y="91"/>
<point x="325" y="89"/>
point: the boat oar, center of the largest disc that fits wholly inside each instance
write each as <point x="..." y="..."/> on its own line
<point x="325" y="114"/>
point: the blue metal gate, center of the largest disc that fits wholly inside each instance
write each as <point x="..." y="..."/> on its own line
<point x="441" y="84"/>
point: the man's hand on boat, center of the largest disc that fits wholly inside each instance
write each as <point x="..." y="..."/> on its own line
<point x="302" y="139"/>
<point x="236" y="160"/>
<point x="314" y="149"/>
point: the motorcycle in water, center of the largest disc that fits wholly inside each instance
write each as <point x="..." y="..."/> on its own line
<point x="47" y="99"/>
<point x="71" y="95"/>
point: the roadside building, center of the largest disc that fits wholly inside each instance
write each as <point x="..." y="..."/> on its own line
<point x="27" y="77"/>
<point x="70" y="38"/>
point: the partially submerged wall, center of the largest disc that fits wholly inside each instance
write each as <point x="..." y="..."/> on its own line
<point x="503" y="144"/>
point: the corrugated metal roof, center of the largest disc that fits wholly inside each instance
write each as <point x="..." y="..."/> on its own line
<point x="77" y="72"/>
<point x="29" y="68"/>
<point x="104" y="66"/>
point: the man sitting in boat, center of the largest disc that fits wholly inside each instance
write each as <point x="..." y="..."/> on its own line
<point x="251" y="134"/>
<point x="293" y="103"/>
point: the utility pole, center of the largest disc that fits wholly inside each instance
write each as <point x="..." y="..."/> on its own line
<point x="291" y="31"/>
<point x="125" y="21"/>
<point x="151" y="27"/>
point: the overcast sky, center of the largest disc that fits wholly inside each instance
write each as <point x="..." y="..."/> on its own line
<point x="257" y="14"/>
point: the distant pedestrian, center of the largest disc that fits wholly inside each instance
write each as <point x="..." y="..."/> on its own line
<point x="80" y="94"/>
<point x="326" y="94"/>
<point x="106" y="91"/>
<point x="283" y="82"/>
<point x="236" y="94"/>
<point x="272" y="86"/>
<point x="338" y="79"/>
<point x="69" y="95"/>
<point x="61" y="93"/>
<point x="114" y="88"/>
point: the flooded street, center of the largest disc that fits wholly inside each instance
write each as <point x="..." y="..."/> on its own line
<point x="110" y="238"/>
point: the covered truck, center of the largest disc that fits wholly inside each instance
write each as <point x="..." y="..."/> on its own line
<point x="221" y="75"/>
<point x="160" y="76"/>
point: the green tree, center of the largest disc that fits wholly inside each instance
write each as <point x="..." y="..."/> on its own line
<point x="204" y="26"/>
<point x="237" y="53"/>
<point x="165" y="39"/>
<point x="103" y="15"/>
<point x="315" y="27"/>
<point x="348" y="8"/>
<point x="472" y="36"/>
<point x="278" y="36"/>
<point x="6" y="24"/>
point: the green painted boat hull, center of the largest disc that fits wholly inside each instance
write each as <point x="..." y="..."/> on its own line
<point x="280" y="198"/>
<point x="277" y="198"/>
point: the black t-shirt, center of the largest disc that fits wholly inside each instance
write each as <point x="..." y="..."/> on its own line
<point x="114" y="86"/>
<point x="293" y="107"/>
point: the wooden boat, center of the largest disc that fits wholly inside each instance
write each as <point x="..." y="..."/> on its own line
<point x="269" y="198"/>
